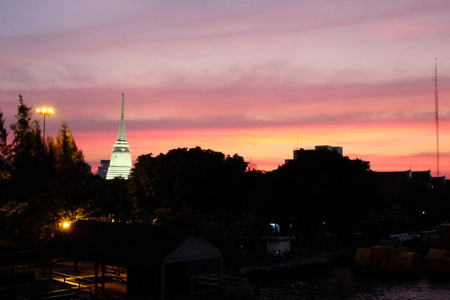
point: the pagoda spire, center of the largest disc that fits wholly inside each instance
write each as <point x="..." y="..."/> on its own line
<point x="120" y="164"/>
<point x="122" y="135"/>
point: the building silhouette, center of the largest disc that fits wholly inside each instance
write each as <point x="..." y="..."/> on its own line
<point x="103" y="169"/>
<point x="120" y="164"/>
<point x="393" y="181"/>
<point x="337" y="149"/>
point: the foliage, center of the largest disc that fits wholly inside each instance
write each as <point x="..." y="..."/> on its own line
<point x="234" y="232"/>
<point x="318" y="187"/>
<point x="5" y="169"/>
<point x="30" y="165"/>
<point x="110" y="200"/>
<point x="45" y="184"/>
<point x="67" y="155"/>
<point x="4" y="150"/>
<point x="203" y="180"/>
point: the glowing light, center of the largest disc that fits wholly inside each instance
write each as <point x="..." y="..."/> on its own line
<point x="46" y="111"/>
<point x="65" y="225"/>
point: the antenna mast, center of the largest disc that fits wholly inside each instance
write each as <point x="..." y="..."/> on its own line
<point x="436" y="107"/>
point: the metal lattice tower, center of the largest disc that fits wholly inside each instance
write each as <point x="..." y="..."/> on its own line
<point x="436" y="110"/>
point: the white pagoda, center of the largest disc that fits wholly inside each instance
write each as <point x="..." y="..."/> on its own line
<point x="120" y="165"/>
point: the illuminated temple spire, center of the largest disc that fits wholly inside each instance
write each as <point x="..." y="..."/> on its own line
<point x="120" y="165"/>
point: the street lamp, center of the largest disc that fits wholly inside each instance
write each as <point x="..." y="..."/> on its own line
<point x="45" y="111"/>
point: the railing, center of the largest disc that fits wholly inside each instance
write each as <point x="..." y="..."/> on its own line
<point x="116" y="270"/>
<point x="65" y="294"/>
<point x="235" y="281"/>
<point x="82" y="283"/>
<point x="235" y="287"/>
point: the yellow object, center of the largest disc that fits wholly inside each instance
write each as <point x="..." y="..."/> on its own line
<point x="438" y="262"/>
<point x="362" y="258"/>
<point x="407" y="262"/>
<point x="387" y="258"/>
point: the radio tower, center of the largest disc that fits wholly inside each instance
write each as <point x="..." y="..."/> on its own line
<point x="436" y="108"/>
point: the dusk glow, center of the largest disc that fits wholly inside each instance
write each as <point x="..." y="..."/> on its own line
<point x="256" y="78"/>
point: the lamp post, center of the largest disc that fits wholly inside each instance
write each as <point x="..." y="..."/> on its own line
<point x="65" y="227"/>
<point x="45" y="111"/>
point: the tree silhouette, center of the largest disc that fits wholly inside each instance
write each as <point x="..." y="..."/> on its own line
<point x="5" y="159"/>
<point x="66" y="151"/>
<point x="320" y="188"/>
<point x="43" y="184"/>
<point x="203" y="180"/>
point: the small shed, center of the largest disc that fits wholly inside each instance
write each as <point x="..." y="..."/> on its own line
<point x="164" y="262"/>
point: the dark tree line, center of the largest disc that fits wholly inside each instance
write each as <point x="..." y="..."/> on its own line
<point x="318" y="193"/>
<point x="201" y="188"/>
<point x="218" y="194"/>
<point x="43" y="183"/>
<point x="202" y="180"/>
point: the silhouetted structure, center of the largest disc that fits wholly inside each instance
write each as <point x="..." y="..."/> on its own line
<point x="388" y="181"/>
<point x="392" y="180"/>
<point x="161" y="262"/>
<point x="336" y="149"/>
<point x="103" y="169"/>
<point x="439" y="182"/>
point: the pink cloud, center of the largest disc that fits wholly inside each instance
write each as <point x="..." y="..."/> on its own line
<point x="252" y="78"/>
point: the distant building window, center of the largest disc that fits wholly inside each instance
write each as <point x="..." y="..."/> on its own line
<point x="275" y="228"/>
<point x="204" y="283"/>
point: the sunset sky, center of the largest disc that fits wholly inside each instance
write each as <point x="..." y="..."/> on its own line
<point x="255" y="77"/>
